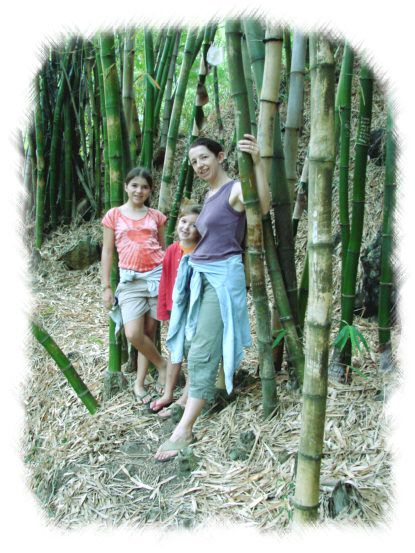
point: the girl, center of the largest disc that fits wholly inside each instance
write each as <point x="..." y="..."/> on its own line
<point x="137" y="232"/>
<point x="216" y="321"/>
<point x="188" y="237"/>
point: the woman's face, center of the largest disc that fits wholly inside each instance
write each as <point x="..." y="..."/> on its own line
<point x="205" y="163"/>
<point x="138" y="190"/>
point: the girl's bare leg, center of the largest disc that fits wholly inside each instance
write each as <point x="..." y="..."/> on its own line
<point x="172" y="375"/>
<point x="138" y="332"/>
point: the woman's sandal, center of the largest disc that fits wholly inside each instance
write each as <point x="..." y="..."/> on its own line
<point x="177" y="446"/>
<point x="140" y="397"/>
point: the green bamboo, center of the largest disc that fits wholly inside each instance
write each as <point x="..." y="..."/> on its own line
<point x="254" y="219"/>
<point x="255" y="34"/>
<point x="343" y="112"/>
<point x="128" y="78"/>
<point x="288" y="56"/>
<point x="162" y="67"/>
<point x="167" y="64"/>
<point x="359" y="179"/>
<point x="169" y="95"/>
<point x="66" y="367"/>
<point x="282" y="207"/>
<point x="166" y="178"/>
<point x="115" y="152"/>
<point x="146" y="159"/>
<point x="217" y="105"/>
<point x="95" y="161"/>
<point x="386" y="270"/>
<point x="269" y="96"/>
<point x="249" y="86"/>
<point x="55" y="147"/>
<point x="107" y="194"/>
<point x="294" y="346"/>
<point x="320" y="246"/>
<point x="40" y="164"/>
<point x="293" y="122"/>
<point x="68" y="163"/>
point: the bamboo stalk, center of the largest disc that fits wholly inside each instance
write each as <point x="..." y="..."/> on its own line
<point x="168" y="103"/>
<point x="343" y="112"/>
<point x="269" y="95"/>
<point x="322" y="159"/>
<point x="249" y="86"/>
<point x="166" y="179"/>
<point x="66" y="367"/>
<point x="386" y="271"/>
<point x="40" y="164"/>
<point x="359" y="180"/>
<point x="293" y="122"/>
<point x="255" y="34"/>
<point x="147" y="148"/>
<point x="254" y="219"/>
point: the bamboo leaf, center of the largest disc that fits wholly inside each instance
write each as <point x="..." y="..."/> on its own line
<point x="281" y="333"/>
<point x="153" y="81"/>
<point x="359" y="372"/>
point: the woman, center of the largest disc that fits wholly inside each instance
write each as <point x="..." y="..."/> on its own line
<point x="137" y="232"/>
<point x="216" y="311"/>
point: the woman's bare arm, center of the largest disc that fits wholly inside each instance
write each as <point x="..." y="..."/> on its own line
<point x="106" y="264"/>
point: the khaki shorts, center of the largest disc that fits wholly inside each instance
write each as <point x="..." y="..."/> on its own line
<point x="135" y="301"/>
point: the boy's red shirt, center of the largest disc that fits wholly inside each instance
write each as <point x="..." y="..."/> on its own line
<point x="171" y="263"/>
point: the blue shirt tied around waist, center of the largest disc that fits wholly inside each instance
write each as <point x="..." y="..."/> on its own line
<point x="152" y="279"/>
<point x="227" y="276"/>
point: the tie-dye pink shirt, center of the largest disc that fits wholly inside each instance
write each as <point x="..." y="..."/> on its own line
<point x="136" y="242"/>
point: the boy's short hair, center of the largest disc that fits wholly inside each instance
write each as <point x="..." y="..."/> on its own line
<point x="188" y="208"/>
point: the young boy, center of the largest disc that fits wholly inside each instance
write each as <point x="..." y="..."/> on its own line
<point x="188" y="238"/>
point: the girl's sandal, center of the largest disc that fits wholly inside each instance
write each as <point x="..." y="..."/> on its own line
<point x="140" y="396"/>
<point x="174" y="411"/>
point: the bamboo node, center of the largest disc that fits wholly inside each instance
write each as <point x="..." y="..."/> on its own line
<point x="305" y="507"/>
<point x="310" y="457"/>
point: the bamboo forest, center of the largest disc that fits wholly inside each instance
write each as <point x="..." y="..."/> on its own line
<point x="302" y="436"/>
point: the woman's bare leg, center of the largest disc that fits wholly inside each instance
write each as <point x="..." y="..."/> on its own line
<point x="183" y="430"/>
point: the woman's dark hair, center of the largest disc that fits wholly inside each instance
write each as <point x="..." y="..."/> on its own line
<point x="210" y="144"/>
<point x="140" y="172"/>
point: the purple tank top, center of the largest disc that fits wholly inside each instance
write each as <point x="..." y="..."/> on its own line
<point x="221" y="227"/>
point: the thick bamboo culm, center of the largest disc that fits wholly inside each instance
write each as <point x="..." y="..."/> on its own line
<point x="249" y="86"/>
<point x="105" y="155"/>
<point x="281" y="203"/>
<point x="128" y="78"/>
<point x="40" y="165"/>
<point x="269" y="95"/>
<point x="293" y="122"/>
<point x="254" y="219"/>
<point x="115" y="153"/>
<point x="169" y="98"/>
<point x="386" y="270"/>
<point x="288" y="49"/>
<point x="164" y="194"/>
<point x="320" y="246"/>
<point x="66" y="367"/>
<point x="56" y="140"/>
<point x="146" y="158"/>
<point x="255" y="33"/>
<point x="343" y="113"/>
<point x="217" y="105"/>
<point x="359" y="181"/>
<point x="162" y="72"/>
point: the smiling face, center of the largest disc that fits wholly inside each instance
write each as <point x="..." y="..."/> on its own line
<point x="186" y="228"/>
<point x="138" y="191"/>
<point x="205" y="163"/>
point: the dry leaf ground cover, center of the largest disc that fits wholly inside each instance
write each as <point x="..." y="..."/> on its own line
<point x="86" y="468"/>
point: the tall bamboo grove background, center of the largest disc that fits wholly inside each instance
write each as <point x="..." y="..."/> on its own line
<point x="106" y="103"/>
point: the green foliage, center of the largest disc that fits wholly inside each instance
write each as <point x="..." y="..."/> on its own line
<point x="352" y="334"/>
<point x="280" y="335"/>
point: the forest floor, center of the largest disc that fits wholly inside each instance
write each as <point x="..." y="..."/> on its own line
<point x="100" y="469"/>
